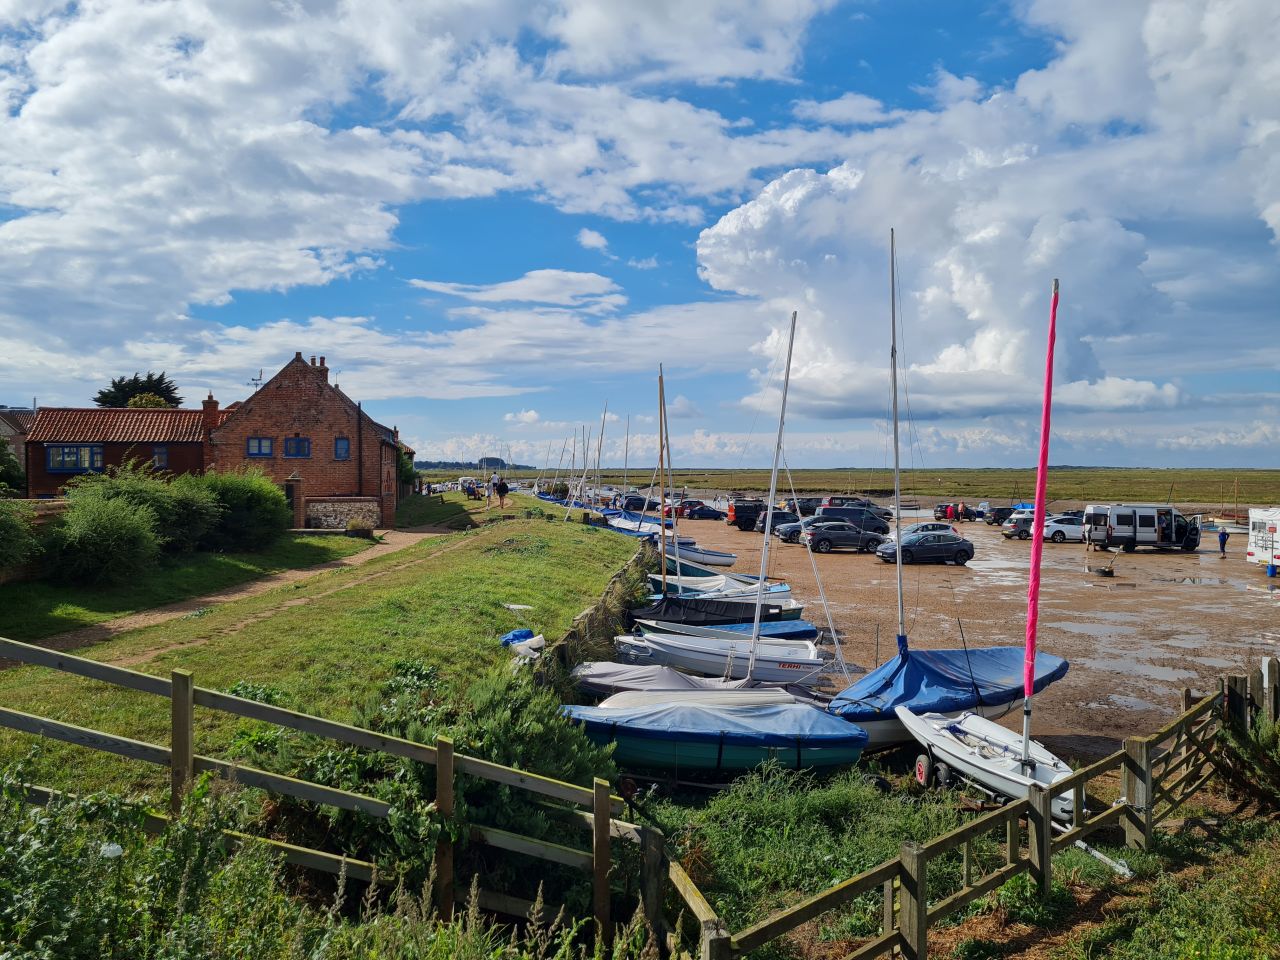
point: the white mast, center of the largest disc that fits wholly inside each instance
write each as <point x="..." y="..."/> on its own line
<point x="671" y="480"/>
<point x="773" y="492"/>
<point x="897" y="484"/>
<point x="626" y="452"/>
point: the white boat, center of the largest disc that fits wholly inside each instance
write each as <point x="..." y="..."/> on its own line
<point x="776" y="661"/>
<point x="694" y="587"/>
<point x="710" y="558"/>
<point x="698" y="584"/>
<point x="707" y="697"/>
<point x="989" y="755"/>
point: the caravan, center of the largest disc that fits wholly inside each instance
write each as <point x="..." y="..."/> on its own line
<point x="1264" y="541"/>
<point x="1132" y="525"/>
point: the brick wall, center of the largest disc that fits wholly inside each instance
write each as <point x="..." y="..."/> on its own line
<point x="332" y="513"/>
<point x="183" y="458"/>
<point x="299" y="402"/>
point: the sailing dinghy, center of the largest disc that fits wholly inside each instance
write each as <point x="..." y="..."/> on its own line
<point x="776" y="661"/>
<point x="710" y="558"/>
<point x="777" y="630"/>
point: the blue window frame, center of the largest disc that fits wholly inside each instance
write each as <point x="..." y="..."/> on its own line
<point x="341" y="448"/>
<point x="259" y="447"/>
<point x="160" y="458"/>
<point x="73" y="457"/>
<point x="297" y="448"/>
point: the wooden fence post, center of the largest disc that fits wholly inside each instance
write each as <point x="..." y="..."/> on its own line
<point x="1040" y="839"/>
<point x="913" y="911"/>
<point x="1137" y="792"/>
<point x="1256" y="693"/>
<point x="1012" y="841"/>
<point x="1237" y="706"/>
<point x="887" y="924"/>
<point x="715" y="942"/>
<point x="444" y="844"/>
<point x="601" y="813"/>
<point x="1271" y="700"/>
<point x="653" y="879"/>
<point x="181" y="737"/>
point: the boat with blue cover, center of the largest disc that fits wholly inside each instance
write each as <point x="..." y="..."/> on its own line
<point x="777" y="629"/>
<point x="691" y="736"/>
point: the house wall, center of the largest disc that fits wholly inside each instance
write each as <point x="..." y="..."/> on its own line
<point x="183" y="458"/>
<point x="332" y="513"/>
<point x="299" y="402"/>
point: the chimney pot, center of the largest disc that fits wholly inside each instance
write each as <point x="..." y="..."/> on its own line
<point x="297" y="355"/>
<point x="322" y="359"/>
<point x="313" y="359"/>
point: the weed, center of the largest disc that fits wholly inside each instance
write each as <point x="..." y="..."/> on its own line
<point x="1021" y="901"/>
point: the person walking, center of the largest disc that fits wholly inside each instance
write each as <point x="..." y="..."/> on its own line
<point x="502" y="490"/>
<point x="1223" y="537"/>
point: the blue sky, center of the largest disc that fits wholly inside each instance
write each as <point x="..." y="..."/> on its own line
<point x="494" y="218"/>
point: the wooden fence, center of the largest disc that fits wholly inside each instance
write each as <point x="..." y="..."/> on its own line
<point x="1159" y="773"/>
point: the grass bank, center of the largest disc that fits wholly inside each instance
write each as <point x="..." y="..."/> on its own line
<point x="327" y="642"/>
<point x="454" y="511"/>
<point x="30" y="611"/>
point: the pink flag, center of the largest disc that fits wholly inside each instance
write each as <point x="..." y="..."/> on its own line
<point x="1037" y="531"/>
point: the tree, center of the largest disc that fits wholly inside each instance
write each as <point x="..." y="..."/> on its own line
<point x="12" y="478"/>
<point x="123" y="389"/>
<point x="147" y="400"/>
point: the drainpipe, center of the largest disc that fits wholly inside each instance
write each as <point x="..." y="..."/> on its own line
<point x="359" y="450"/>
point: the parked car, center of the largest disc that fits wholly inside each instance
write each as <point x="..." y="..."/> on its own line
<point x="638" y="504"/>
<point x="825" y="537"/>
<point x="743" y="512"/>
<point x="804" y="506"/>
<point x="790" y="532"/>
<point x="779" y="517"/>
<point x="927" y="526"/>
<point x="1061" y="529"/>
<point x="1018" y="525"/>
<point x="837" y="500"/>
<point x="703" y="512"/>
<point x="858" y="516"/>
<point x="928" y="548"/>
<point x="681" y="507"/>
<point x="998" y="515"/>
<point x="1132" y="525"/>
<point x="940" y="512"/>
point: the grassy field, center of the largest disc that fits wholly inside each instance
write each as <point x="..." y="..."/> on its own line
<point x="29" y="611"/>
<point x="999" y="485"/>
<point x="327" y="642"/>
<point x="454" y="511"/>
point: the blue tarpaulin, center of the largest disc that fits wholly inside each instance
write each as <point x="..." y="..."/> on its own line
<point x="516" y="636"/>
<point x="774" y="725"/>
<point x="943" y="681"/>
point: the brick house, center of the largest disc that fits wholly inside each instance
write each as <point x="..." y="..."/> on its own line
<point x="14" y="424"/>
<point x="333" y="460"/>
<point x="316" y="442"/>
<point x="66" y="441"/>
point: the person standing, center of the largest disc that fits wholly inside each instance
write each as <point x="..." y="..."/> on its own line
<point x="502" y="490"/>
<point x="1223" y="537"/>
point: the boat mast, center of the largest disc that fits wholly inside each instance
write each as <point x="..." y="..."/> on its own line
<point x="600" y="445"/>
<point x="897" y="469"/>
<point x="768" y="511"/>
<point x="1037" y="538"/>
<point x="662" y="530"/>
<point x="671" y="481"/>
<point x="626" y="453"/>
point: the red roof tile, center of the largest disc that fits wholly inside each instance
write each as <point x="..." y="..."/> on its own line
<point x="116" y="425"/>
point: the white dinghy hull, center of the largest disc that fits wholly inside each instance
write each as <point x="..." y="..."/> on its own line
<point x="777" y="661"/>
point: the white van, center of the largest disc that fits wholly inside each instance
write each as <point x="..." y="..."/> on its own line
<point x="1132" y="525"/>
<point x="1264" y="541"/>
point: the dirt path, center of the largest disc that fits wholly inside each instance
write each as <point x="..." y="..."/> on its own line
<point x="393" y="542"/>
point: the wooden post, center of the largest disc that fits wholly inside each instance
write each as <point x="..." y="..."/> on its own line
<point x="601" y="814"/>
<point x="714" y="941"/>
<point x="1238" y="702"/>
<point x="967" y="864"/>
<point x="653" y="879"/>
<point x="1137" y="792"/>
<point x="1257" y="695"/>
<point x="444" y="844"/>
<point x="1040" y="838"/>
<point x="1011" y="840"/>
<point x="1271" y="701"/>
<point x="913" y="912"/>
<point x="887" y="925"/>
<point x="181" y="737"/>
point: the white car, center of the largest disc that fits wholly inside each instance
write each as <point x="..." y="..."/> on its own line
<point x="1061" y="529"/>
<point x="928" y="526"/>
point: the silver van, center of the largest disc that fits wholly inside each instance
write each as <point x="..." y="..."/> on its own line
<point x="1132" y="525"/>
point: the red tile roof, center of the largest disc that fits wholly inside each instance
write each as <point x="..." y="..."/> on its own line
<point x="19" y="420"/>
<point x="116" y="425"/>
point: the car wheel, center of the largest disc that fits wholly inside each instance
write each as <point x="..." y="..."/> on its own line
<point x="961" y="557"/>
<point x="1130" y="546"/>
<point x="1058" y="536"/>
<point x="822" y="546"/>
<point x="1024" y="534"/>
<point x="908" y="556"/>
<point x="924" y="769"/>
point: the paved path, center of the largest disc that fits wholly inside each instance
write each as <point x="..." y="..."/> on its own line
<point x="393" y="542"/>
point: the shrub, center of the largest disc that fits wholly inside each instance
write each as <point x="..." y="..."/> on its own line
<point x="254" y="510"/>
<point x="17" y="538"/>
<point x="104" y="540"/>
<point x="184" y="510"/>
<point x="359" y="527"/>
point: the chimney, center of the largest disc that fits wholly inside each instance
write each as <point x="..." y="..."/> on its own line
<point x="210" y="408"/>
<point x="313" y="359"/>
<point x="324" y="370"/>
<point x="297" y="355"/>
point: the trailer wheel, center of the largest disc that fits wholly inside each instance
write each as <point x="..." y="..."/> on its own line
<point x="924" y="769"/>
<point x="1130" y="546"/>
<point x="942" y="776"/>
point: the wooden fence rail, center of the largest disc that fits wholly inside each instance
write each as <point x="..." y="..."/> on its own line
<point x="1159" y="773"/>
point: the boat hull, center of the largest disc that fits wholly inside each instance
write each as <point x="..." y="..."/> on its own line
<point x="775" y="662"/>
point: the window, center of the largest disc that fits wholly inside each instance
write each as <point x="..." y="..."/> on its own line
<point x="73" y="458"/>
<point x="160" y="458"/>
<point x="297" y="447"/>
<point x="1146" y="520"/>
<point x="1124" y="520"/>
<point x="341" y="448"/>
<point x="259" y="447"/>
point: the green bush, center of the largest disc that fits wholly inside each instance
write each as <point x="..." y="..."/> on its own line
<point x="104" y="540"/>
<point x="254" y="511"/>
<point x="185" y="511"/>
<point x="17" y="534"/>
